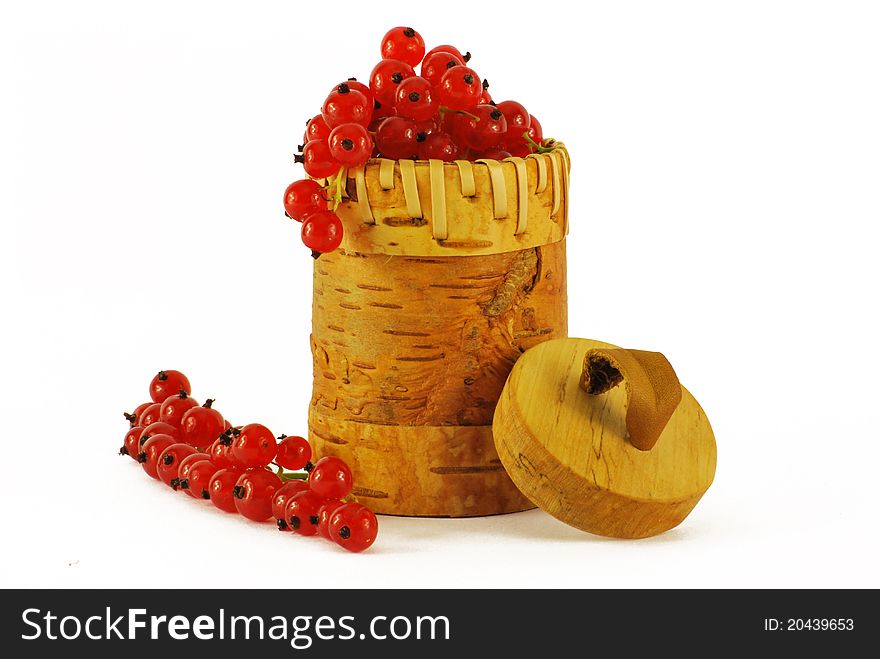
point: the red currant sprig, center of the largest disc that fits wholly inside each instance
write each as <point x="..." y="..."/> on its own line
<point x="235" y="471"/>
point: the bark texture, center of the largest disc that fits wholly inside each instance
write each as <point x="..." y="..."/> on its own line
<point x="410" y="357"/>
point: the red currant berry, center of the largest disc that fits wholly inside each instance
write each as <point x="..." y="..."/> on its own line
<point x="221" y="453"/>
<point x="184" y="467"/>
<point x="281" y="497"/>
<point x="520" y="148"/>
<point x="134" y="416"/>
<point x="168" y="383"/>
<point x="414" y="99"/>
<point x="460" y="88"/>
<point x="385" y="77"/>
<point x="254" y="446"/>
<point x="130" y="445"/>
<point x="518" y="121"/>
<point x="396" y="138"/>
<point x="490" y="130"/>
<point x="536" y="133"/>
<point x="354" y="527"/>
<point x="439" y="146"/>
<point x="359" y="87"/>
<point x="150" y="452"/>
<point x="345" y="105"/>
<point x="425" y="127"/>
<point x="452" y="50"/>
<point x="494" y="154"/>
<point x="380" y="112"/>
<point x="317" y="160"/>
<point x="516" y="115"/>
<point x="174" y="407"/>
<point x="330" y="478"/>
<point x="459" y="126"/>
<point x="303" y="198"/>
<point x="220" y="489"/>
<point x="436" y="64"/>
<point x="200" y="426"/>
<point x="316" y="129"/>
<point x="324" y="513"/>
<point x="158" y="428"/>
<point x="301" y="512"/>
<point x="351" y="144"/>
<point x="322" y="232"/>
<point x="403" y="43"/>
<point x="253" y="493"/>
<point x="169" y="463"/>
<point x="140" y="408"/>
<point x="293" y="452"/>
<point x="198" y="476"/>
<point x="150" y="415"/>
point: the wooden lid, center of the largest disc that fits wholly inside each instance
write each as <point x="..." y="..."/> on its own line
<point x="462" y="208"/>
<point x="603" y="438"/>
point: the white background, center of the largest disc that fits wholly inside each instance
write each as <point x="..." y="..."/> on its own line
<point x="724" y="210"/>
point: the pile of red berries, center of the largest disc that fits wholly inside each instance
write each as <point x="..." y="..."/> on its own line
<point x="445" y="112"/>
<point x="192" y="448"/>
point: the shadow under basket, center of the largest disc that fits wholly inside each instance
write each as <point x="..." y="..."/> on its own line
<point x="447" y="273"/>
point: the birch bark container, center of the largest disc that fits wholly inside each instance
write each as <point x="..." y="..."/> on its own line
<point x="447" y="273"/>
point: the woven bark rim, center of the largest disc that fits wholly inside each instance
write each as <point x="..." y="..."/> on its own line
<point x="432" y="208"/>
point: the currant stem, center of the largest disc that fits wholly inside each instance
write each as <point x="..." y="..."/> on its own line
<point x="334" y="188"/>
<point x="293" y="476"/>
<point x="443" y="110"/>
<point x="537" y="147"/>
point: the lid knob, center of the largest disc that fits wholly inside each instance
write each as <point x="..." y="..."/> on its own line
<point x="652" y="388"/>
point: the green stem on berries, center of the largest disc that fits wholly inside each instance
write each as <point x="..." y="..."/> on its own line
<point x="293" y="476"/>
<point x="288" y="475"/>
<point x="443" y="110"/>
<point x="334" y="188"/>
<point x="537" y="147"/>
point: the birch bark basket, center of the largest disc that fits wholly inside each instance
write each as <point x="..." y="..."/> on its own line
<point x="447" y="273"/>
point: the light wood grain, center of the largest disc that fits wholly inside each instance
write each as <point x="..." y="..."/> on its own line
<point x="410" y="355"/>
<point x="569" y="452"/>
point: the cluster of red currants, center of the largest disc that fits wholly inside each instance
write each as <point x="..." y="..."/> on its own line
<point x="444" y="113"/>
<point x="194" y="449"/>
